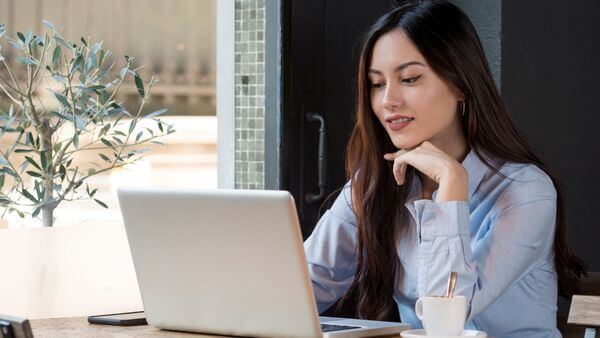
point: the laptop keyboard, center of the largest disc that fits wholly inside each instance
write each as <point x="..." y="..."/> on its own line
<point x="331" y="327"/>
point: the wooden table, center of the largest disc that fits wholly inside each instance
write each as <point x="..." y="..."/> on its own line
<point x="79" y="327"/>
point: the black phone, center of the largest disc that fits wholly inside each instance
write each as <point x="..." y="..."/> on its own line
<point x="14" y="327"/>
<point x="120" y="319"/>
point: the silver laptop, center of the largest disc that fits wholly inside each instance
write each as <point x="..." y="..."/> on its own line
<point x="228" y="262"/>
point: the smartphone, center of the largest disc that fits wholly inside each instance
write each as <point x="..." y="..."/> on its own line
<point x="14" y="327"/>
<point x="120" y="319"/>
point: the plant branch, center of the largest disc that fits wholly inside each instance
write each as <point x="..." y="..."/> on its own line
<point x="12" y="75"/>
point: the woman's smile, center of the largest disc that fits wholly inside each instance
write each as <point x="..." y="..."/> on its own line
<point x="398" y="122"/>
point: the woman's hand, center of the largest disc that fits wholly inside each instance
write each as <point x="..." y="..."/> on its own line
<point x="447" y="172"/>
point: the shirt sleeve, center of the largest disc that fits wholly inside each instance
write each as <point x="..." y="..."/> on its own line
<point x="521" y="231"/>
<point x="330" y="252"/>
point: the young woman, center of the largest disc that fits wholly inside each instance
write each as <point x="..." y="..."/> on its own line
<point x="441" y="181"/>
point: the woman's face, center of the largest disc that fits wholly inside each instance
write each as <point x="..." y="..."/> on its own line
<point x="410" y="100"/>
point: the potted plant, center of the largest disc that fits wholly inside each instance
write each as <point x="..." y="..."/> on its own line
<point x="59" y="99"/>
<point x="81" y="114"/>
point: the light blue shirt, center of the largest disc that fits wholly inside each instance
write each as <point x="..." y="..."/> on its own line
<point x="500" y="243"/>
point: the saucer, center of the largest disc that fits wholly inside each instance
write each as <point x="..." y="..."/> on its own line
<point x="422" y="333"/>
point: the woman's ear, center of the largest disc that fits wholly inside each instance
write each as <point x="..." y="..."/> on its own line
<point x="460" y="96"/>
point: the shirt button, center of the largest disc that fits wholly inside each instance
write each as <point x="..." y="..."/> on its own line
<point x="423" y="262"/>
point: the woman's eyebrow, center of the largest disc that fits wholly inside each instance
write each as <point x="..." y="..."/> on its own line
<point x="400" y="67"/>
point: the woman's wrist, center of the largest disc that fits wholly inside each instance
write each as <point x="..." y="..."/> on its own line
<point x="454" y="185"/>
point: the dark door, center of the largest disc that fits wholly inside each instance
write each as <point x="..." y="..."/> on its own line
<point x="321" y="41"/>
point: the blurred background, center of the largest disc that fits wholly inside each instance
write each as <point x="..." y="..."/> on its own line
<point x="174" y="40"/>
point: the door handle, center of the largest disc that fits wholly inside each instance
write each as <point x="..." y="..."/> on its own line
<point x="310" y="198"/>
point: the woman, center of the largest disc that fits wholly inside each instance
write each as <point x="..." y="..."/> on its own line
<point x="441" y="181"/>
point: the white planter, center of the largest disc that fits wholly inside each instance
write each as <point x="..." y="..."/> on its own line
<point x="66" y="271"/>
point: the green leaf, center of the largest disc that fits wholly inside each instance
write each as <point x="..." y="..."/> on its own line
<point x="63" y="172"/>
<point x="83" y="41"/>
<point x="156" y="113"/>
<point x="9" y="171"/>
<point x="33" y="162"/>
<point x="63" y="100"/>
<point x="76" y="140"/>
<point x="101" y="57"/>
<point x="43" y="160"/>
<point x="23" y="150"/>
<point x="25" y="60"/>
<point x="139" y="84"/>
<point x="79" y="124"/>
<point x="33" y="173"/>
<point x="49" y="24"/>
<point x="2" y="177"/>
<point x="117" y="139"/>
<point x="160" y="126"/>
<point x="104" y="130"/>
<point x="61" y="41"/>
<point x="39" y="190"/>
<point x="138" y="136"/>
<point x="56" y="55"/>
<point x="4" y="201"/>
<point x="61" y="116"/>
<point x="76" y="64"/>
<point x="21" y="37"/>
<point x="16" y="44"/>
<point x="29" y="196"/>
<point x="101" y="203"/>
<point x="132" y="126"/>
<point x="28" y="37"/>
<point x="104" y="157"/>
<point x="106" y="142"/>
<point x="36" y="211"/>
<point x="96" y="88"/>
<point x="2" y="29"/>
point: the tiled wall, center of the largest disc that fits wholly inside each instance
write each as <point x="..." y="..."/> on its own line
<point x="249" y="94"/>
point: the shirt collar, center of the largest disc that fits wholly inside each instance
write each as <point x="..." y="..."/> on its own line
<point x="476" y="170"/>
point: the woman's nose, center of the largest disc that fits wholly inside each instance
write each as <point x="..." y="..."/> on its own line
<point x="391" y="98"/>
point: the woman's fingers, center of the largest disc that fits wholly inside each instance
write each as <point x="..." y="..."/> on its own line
<point x="392" y="156"/>
<point x="399" y="169"/>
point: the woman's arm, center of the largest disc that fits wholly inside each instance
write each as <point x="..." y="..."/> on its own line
<point x="330" y="252"/>
<point x="521" y="230"/>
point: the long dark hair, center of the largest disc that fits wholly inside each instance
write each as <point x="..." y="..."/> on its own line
<point x="447" y="39"/>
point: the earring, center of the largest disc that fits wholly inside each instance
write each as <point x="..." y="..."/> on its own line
<point x="463" y="108"/>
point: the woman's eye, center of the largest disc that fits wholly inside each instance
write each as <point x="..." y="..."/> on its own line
<point x="377" y="85"/>
<point x="411" y="80"/>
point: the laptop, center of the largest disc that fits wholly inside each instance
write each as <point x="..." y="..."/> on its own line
<point x="227" y="262"/>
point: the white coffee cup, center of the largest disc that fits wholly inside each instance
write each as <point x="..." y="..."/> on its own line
<point x="442" y="316"/>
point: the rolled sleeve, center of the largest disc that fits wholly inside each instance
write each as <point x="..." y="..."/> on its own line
<point x="444" y="243"/>
<point x="441" y="219"/>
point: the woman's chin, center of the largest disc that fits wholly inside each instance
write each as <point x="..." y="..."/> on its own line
<point x="405" y="145"/>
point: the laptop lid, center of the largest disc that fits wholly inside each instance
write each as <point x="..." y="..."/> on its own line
<point x="229" y="262"/>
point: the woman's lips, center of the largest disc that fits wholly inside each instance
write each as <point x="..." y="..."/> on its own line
<point x="397" y="125"/>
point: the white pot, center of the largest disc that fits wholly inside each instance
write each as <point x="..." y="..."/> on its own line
<point x="67" y="271"/>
